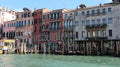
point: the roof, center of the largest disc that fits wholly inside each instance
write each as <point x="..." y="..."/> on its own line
<point x="98" y="6"/>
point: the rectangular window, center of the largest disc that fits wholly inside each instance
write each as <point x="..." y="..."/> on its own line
<point x="28" y="14"/>
<point x="88" y="34"/>
<point x="22" y="15"/>
<point x="76" y="23"/>
<point x="93" y="22"/>
<point x="83" y="23"/>
<point x="109" y="9"/>
<point x="58" y="25"/>
<point x="51" y="35"/>
<point x="58" y="36"/>
<point x="8" y="24"/>
<point x="48" y="16"/>
<point x="22" y="23"/>
<point x="109" y="20"/>
<point x="104" y="11"/>
<point x="58" y="15"/>
<point x="25" y="15"/>
<point x="76" y="13"/>
<point x="54" y="15"/>
<point x="35" y="21"/>
<point x="43" y="17"/>
<point x="104" y="33"/>
<point x="71" y="23"/>
<point x="83" y="33"/>
<point x="103" y="20"/>
<point x="40" y="20"/>
<point x="28" y="22"/>
<point x="93" y="34"/>
<point x="19" y="23"/>
<point x="98" y="11"/>
<point x="65" y="15"/>
<point x="83" y="13"/>
<point x="88" y="13"/>
<point x="51" y="16"/>
<point x="17" y="16"/>
<point x="88" y="22"/>
<point x="25" y="23"/>
<point x="93" y="12"/>
<point x="98" y="21"/>
<point x="12" y="25"/>
<point x="76" y="34"/>
<point x="98" y="33"/>
<point x="4" y="25"/>
<point x="110" y="33"/>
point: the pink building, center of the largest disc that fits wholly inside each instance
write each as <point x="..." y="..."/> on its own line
<point x="9" y="29"/>
<point x="24" y="26"/>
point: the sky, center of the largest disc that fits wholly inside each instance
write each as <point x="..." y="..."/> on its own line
<point x="50" y="4"/>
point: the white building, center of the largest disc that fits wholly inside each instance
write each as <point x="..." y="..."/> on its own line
<point x="6" y="15"/>
<point x="98" y="29"/>
<point x="98" y="21"/>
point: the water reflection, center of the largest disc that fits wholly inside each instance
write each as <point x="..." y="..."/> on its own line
<point x="57" y="61"/>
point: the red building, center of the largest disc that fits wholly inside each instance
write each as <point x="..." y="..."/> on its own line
<point x="44" y="37"/>
<point x="37" y="15"/>
<point x="52" y="30"/>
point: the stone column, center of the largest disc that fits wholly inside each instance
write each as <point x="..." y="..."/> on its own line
<point x="87" y="48"/>
<point x="117" y="48"/>
<point x="35" y="49"/>
<point x="24" y="48"/>
<point x="101" y="48"/>
<point x="84" y="47"/>
<point x="49" y="48"/>
<point x="21" y="49"/>
<point x="90" y="47"/>
<point x="44" y="48"/>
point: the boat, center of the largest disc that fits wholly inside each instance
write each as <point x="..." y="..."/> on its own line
<point x="6" y="45"/>
<point x="1" y="51"/>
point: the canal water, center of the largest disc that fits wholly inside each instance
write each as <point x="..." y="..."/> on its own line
<point x="40" y="60"/>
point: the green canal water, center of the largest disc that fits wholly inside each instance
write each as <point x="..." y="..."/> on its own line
<point x="40" y="60"/>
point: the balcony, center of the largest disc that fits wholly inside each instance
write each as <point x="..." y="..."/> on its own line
<point x="96" y="14"/>
<point x="104" y="13"/>
<point x="87" y="15"/>
<point x="68" y="28"/>
<point x="103" y="25"/>
<point x="54" y="29"/>
<point x="96" y="38"/>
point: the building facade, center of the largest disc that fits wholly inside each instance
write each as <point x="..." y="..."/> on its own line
<point x="68" y="30"/>
<point x="56" y="29"/>
<point x="5" y="15"/>
<point x="44" y="30"/>
<point x="9" y="29"/>
<point x="37" y="15"/>
<point x="24" y="27"/>
<point x="97" y="27"/>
